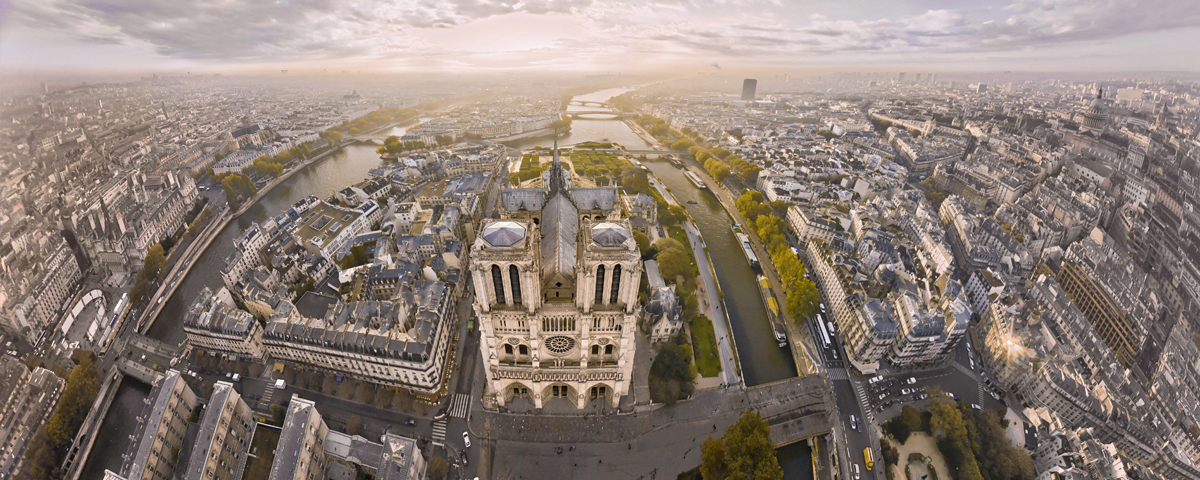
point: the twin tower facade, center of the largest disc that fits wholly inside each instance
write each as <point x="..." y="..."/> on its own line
<point x="556" y="290"/>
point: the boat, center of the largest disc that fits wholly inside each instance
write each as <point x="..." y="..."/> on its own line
<point x="695" y="180"/>
<point x="764" y="288"/>
<point x="691" y="202"/>
<point x="747" y="249"/>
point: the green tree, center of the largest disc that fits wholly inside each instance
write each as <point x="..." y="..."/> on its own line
<point x="745" y="452"/>
<point x="672" y="374"/>
<point x="643" y="242"/>
<point x="278" y="414"/>
<point x="672" y="263"/>
<point x="891" y="455"/>
<point x="717" y="169"/>
<point x="635" y="179"/>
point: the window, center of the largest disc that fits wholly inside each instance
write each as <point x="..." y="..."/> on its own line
<point x="498" y="284"/>
<point x="616" y="283"/>
<point x="608" y="349"/>
<point x="508" y="349"/>
<point x="523" y="349"/>
<point x="600" y="284"/>
<point x="514" y="278"/>
<point x="595" y="349"/>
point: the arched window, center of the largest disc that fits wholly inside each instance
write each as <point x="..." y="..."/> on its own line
<point x="508" y="349"/>
<point x="600" y="284"/>
<point x="608" y="349"/>
<point x="514" y="277"/>
<point x="616" y="283"/>
<point x="595" y="349"/>
<point x="498" y="284"/>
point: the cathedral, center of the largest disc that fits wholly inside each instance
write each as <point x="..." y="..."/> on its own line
<point x="556" y="288"/>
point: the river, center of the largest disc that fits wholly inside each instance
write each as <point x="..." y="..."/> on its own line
<point x="121" y="422"/>
<point x="322" y="178"/>
<point x="762" y="361"/>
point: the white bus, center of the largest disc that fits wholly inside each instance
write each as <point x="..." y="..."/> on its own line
<point x="824" y="335"/>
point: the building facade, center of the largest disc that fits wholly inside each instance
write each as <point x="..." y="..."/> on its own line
<point x="556" y="295"/>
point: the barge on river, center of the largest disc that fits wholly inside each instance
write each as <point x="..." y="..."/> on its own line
<point x="746" y="248"/>
<point x="695" y="179"/>
<point x="764" y="288"/>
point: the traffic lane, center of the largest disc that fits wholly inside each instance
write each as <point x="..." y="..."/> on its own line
<point x="949" y="379"/>
<point x="455" y="447"/>
<point x="855" y="441"/>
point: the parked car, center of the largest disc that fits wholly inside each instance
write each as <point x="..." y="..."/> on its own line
<point x="883" y="395"/>
<point x="912" y="380"/>
<point x="466" y="440"/>
<point x="977" y="407"/>
<point x="905" y="391"/>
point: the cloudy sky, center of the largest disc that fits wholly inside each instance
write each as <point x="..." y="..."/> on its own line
<point x="649" y="36"/>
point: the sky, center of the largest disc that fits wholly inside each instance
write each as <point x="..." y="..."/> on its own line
<point x="42" y="37"/>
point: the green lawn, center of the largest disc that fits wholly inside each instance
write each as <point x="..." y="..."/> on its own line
<point x="704" y="345"/>
<point x="679" y="235"/>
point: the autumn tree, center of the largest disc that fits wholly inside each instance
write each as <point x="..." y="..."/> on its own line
<point x="745" y="452"/>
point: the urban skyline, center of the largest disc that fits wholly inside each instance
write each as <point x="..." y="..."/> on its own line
<point x="583" y="239"/>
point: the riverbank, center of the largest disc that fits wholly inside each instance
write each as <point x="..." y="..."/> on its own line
<point x="184" y="266"/>
<point x="280" y="179"/>
<point x="797" y="339"/>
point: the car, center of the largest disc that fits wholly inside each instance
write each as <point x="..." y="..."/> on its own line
<point x="922" y="396"/>
<point x="856" y="474"/>
<point x="977" y="407"/>
<point x="853" y="422"/>
<point x="466" y="440"/>
<point x="883" y="395"/>
<point x="464" y="458"/>
<point x="912" y="380"/>
<point x="905" y="391"/>
<point x="411" y="422"/>
<point x="994" y="395"/>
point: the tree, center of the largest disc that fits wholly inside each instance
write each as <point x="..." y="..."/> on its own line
<point x="891" y="455"/>
<point x="278" y="414"/>
<point x="672" y="263"/>
<point x="643" y="242"/>
<point x="346" y="388"/>
<point x="383" y="398"/>
<point x="334" y="139"/>
<point x="155" y="259"/>
<point x="402" y="401"/>
<point x="717" y="169"/>
<point x="354" y="425"/>
<point x="672" y="373"/>
<point x="635" y="179"/>
<point x="745" y="452"/>
<point x="365" y="393"/>
<point x="438" y="467"/>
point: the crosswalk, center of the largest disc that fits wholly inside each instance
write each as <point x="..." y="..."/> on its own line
<point x="439" y="432"/>
<point x="864" y="402"/>
<point x="838" y="374"/>
<point x="267" y="394"/>
<point x="459" y="405"/>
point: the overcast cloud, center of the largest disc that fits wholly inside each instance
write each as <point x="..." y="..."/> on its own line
<point x="43" y="35"/>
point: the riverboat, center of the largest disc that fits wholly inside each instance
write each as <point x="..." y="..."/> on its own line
<point x="695" y="179"/>
<point x="764" y="288"/>
<point x="747" y="249"/>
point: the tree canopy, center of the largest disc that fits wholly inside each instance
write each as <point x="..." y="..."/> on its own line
<point x="672" y="373"/>
<point x="745" y="452"/>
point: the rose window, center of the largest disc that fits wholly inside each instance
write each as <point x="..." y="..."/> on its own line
<point x="560" y="345"/>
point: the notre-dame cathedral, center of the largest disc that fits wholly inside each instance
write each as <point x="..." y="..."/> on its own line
<point x="556" y="288"/>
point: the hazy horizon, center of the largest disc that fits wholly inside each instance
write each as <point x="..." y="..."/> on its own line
<point x="106" y="40"/>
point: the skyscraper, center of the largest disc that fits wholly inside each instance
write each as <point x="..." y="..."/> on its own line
<point x="749" y="85"/>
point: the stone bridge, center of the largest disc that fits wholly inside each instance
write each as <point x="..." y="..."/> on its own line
<point x="613" y="114"/>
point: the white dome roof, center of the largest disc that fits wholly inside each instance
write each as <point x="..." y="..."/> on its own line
<point x="503" y="234"/>
<point x="608" y="234"/>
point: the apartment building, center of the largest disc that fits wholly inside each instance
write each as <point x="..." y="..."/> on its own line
<point x="29" y="403"/>
<point x="220" y="448"/>
<point x="170" y="405"/>
<point x="213" y="325"/>
<point x="300" y="453"/>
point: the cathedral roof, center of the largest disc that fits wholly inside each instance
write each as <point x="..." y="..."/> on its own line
<point x="503" y="234"/>
<point x="602" y="198"/>
<point x="560" y="227"/>
<point x="608" y="234"/>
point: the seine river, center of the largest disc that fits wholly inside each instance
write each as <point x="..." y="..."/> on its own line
<point x="762" y="361"/>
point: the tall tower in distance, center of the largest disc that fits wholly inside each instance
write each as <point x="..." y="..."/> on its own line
<point x="749" y="85"/>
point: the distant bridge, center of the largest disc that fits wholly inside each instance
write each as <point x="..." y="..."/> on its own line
<point x="580" y="103"/>
<point x="613" y="114"/>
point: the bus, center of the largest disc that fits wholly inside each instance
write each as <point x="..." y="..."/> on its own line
<point x="867" y="458"/>
<point x="824" y="336"/>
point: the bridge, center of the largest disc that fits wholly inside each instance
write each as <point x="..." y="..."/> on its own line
<point x="611" y="113"/>
<point x="580" y="103"/>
